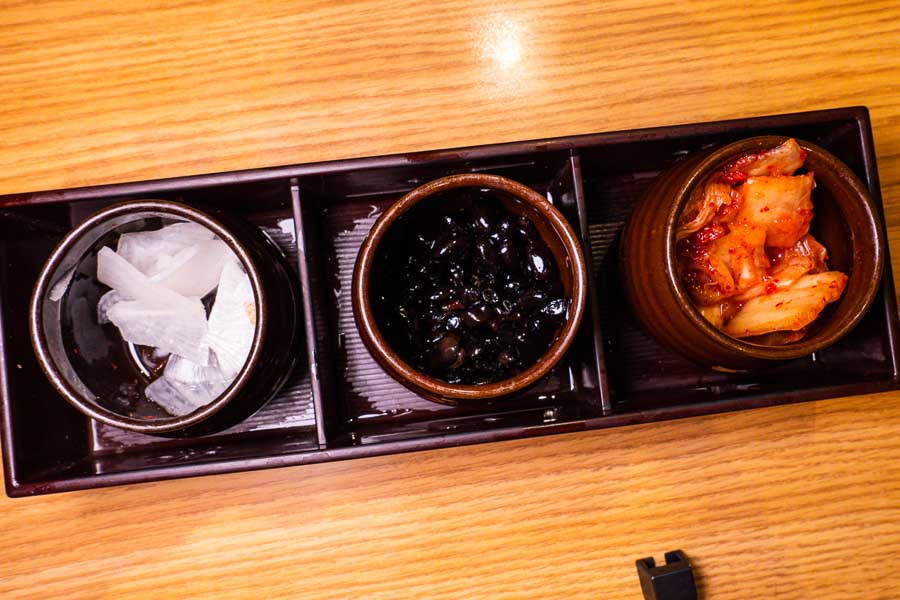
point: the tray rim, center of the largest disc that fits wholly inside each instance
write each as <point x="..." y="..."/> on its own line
<point x="443" y="441"/>
<point x="860" y="114"/>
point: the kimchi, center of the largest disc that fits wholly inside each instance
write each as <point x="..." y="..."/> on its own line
<point x="745" y="254"/>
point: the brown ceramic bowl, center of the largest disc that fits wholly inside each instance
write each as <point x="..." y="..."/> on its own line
<point x="90" y="364"/>
<point x="846" y="222"/>
<point x="553" y="229"/>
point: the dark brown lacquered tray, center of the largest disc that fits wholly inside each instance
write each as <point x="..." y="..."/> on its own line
<point x="339" y="404"/>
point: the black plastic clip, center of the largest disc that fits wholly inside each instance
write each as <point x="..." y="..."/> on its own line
<point x="672" y="581"/>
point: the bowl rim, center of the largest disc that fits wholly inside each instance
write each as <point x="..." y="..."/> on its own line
<point x="378" y="346"/>
<point x="95" y="411"/>
<point x="846" y="178"/>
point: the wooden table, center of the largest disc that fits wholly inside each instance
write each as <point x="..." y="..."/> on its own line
<point x="798" y="501"/>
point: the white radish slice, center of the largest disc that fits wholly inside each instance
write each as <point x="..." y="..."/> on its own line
<point x="186" y="231"/>
<point x="196" y="270"/>
<point x="174" y="262"/>
<point x="120" y="275"/>
<point x="232" y="321"/>
<point x="60" y="288"/>
<point x="106" y="301"/>
<point x="186" y="386"/>
<point x="166" y="395"/>
<point x="199" y="384"/>
<point x="179" y="329"/>
<point x="153" y="252"/>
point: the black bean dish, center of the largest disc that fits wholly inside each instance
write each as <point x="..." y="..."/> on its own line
<point x="465" y="291"/>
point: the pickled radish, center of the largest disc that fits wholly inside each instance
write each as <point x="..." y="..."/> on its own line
<point x="153" y="252"/>
<point x="178" y="330"/>
<point x="158" y="281"/>
<point x="198" y="273"/>
<point x="232" y="320"/>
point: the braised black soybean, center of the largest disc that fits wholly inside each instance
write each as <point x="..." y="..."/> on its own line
<point x="466" y="291"/>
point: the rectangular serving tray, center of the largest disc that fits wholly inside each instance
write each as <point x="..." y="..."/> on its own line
<point x="339" y="404"/>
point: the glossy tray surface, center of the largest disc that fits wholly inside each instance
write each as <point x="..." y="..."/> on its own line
<point x="339" y="404"/>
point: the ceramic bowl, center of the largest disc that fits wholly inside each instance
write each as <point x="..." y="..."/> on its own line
<point x="93" y="368"/>
<point x="519" y="200"/>
<point x="846" y="222"/>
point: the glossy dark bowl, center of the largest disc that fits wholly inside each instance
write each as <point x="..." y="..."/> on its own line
<point x="846" y="222"/>
<point x="555" y="232"/>
<point x="89" y="364"/>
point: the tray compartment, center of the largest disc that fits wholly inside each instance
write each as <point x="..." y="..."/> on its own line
<point x="364" y="404"/>
<point x="33" y="406"/>
<point x="82" y="447"/>
<point x="645" y="376"/>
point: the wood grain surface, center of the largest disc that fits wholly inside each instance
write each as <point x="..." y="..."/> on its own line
<point x="797" y="502"/>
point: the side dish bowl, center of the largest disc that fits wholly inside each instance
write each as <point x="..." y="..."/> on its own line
<point x="846" y="222"/>
<point x="89" y="363"/>
<point x="518" y="200"/>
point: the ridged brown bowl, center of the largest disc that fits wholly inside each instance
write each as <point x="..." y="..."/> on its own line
<point x="90" y="366"/>
<point x="555" y="232"/>
<point x="845" y="221"/>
